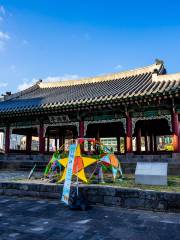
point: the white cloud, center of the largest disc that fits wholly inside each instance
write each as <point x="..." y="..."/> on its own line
<point x="23" y="86"/>
<point x="2" y="13"/>
<point x="3" y="84"/>
<point x="26" y="84"/>
<point x="61" y="78"/>
<point x="29" y="83"/>
<point x="2" y="10"/>
<point x="4" y="37"/>
<point x="119" y="66"/>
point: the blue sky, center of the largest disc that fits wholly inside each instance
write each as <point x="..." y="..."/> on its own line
<point x="59" y="39"/>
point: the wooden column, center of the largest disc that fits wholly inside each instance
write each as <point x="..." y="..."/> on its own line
<point x="98" y="135"/>
<point x="138" y="140"/>
<point x="60" y="141"/>
<point x="41" y="139"/>
<point x="151" y="143"/>
<point x="155" y="144"/>
<point x="179" y="136"/>
<point x="28" y="143"/>
<point x="118" y="144"/>
<point x="175" y="132"/>
<point x="7" y="140"/>
<point x="125" y="149"/>
<point x="128" y="134"/>
<point x="61" y="137"/>
<point x="81" y="129"/>
<point x="146" y="142"/>
<point x="55" y="143"/>
<point x="48" y="144"/>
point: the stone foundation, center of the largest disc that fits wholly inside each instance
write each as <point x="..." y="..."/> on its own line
<point x="23" y="162"/>
<point x="128" y="161"/>
<point x="104" y="195"/>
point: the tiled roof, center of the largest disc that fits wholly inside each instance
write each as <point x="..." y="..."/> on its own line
<point x="148" y="81"/>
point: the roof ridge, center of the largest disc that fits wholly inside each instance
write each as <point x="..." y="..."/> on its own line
<point x="166" y="77"/>
<point x="22" y="92"/>
<point x="107" y="77"/>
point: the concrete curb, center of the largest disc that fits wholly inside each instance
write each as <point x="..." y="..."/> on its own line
<point x="98" y="194"/>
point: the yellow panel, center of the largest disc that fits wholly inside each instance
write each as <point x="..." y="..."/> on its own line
<point x="63" y="161"/>
<point x="78" y="151"/>
<point x="82" y="176"/>
<point x="88" y="161"/>
<point x="63" y="176"/>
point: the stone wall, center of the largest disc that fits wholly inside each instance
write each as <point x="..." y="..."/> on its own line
<point x="104" y="195"/>
<point x="129" y="162"/>
<point x="23" y="162"/>
<point x="26" y="162"/>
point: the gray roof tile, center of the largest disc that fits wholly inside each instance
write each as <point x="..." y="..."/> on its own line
<point x="137" y="84"/>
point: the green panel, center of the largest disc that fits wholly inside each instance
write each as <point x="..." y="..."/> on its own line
<point x="151" y="113"/>
<point x="178" y="109"/>
<point x="104" y="117"/>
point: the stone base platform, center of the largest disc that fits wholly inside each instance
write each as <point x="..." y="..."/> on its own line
<point x="128" y="161"/>
<point x="103" y="195"/>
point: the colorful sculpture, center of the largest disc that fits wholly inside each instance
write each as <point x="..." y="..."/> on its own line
<point x="80" y="163"/>
<point x="103" y="158"/>
<point x="110" y="160"/>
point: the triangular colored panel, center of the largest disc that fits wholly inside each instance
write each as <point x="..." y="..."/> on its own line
<point x="63" y="162"/>
<point x="63" y="176"/>
<point x="78" y="164"/>
<point x="114" y="160"/>
<point x="78" y="151"/>
<point x="106" y="159"/>
<point x="88" y="161"/>
<point x="81" y="175"/>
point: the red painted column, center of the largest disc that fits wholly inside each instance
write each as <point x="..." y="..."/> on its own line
<point x="7" y="140"/>
<point x="81" y="129"/>
<point x="128" y="134"/>
<point x="28" y="143"/>
<point x="175" y="131"/>
<point x="138" y="140"/>
<point x="41" y="139"/>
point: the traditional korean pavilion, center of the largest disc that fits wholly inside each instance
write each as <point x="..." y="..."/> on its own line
<point x="135" y="108"/>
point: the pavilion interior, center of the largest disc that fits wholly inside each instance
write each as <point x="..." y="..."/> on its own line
<point x="149" y="137"/>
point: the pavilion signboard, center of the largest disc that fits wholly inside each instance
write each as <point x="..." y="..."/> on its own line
<point x="58" y="119"/>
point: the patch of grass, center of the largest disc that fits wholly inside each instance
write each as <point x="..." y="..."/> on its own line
<point x="129" y="182"/>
